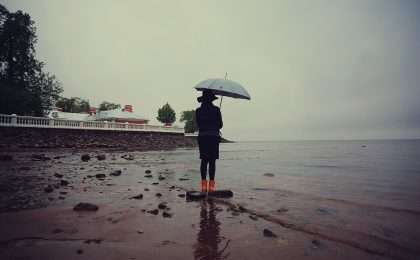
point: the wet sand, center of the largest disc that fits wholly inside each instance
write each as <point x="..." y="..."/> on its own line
<point x="40" y="190"/>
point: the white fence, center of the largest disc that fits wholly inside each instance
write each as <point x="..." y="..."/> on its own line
<point x="43" y="122"/>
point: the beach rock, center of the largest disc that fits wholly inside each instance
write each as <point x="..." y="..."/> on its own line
<point x="48" y="189"/>
<point x="58" y="175"/>
<point x="85" y="157"/>
<point x="100" y="176"/>
<point x="315" y="244"/>
<point x="166" y="214"/>
<point x="83" y="206"/>
<point x="96" y="241"/>
<point x="148" y="176"/>
<point x="161" y="178"/>
<point x="253" y="217"/>
<point x="158" y="195"/>
<point x="57" y="230"/>
<point x="155" y="183"/>
<point x="39" y="157"/>
<point x="221" y="194"/>
<point x="154" y="211"/>
<point x="101" y="157"/>
<point x="162" y="205"/>
<point x="181" y="195"/>
<point x="183" y="179"/>
<point x="147" y="171"/>
<point x="269" y="174"/>
<point x="137" y="197"/>
<point x="282" y="210"/>
<point x="64" y="183"/>
<point x="6" y="157"/>
<point x="116" y="173"/>
<point x="268" y="233"/>
<point x="128" y="157"/>
<point x="195" y="195"/>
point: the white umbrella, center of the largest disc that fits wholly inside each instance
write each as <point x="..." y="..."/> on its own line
<point x="224" y="87"/>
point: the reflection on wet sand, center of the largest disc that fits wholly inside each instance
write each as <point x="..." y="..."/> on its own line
<point x="208" y="237"/>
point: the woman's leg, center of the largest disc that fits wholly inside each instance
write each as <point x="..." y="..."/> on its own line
<point x="212" y="169"/>
<point x="203" y="169"/>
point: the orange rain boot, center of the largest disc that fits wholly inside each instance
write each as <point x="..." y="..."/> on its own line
<point x="204" y="185"/>
<point x="212" y="186"/>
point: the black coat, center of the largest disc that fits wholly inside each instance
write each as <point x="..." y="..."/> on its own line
<point x="209" y="118"/>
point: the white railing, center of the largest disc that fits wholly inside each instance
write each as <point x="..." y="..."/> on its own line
<point x="43" y="122"/>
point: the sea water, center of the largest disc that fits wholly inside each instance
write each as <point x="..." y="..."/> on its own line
<point x="364" y="192"/>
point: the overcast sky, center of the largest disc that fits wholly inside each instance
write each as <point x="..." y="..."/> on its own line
<point x="315" y="69"/>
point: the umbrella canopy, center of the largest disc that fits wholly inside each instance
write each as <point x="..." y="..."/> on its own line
<point x="224" y="87"/>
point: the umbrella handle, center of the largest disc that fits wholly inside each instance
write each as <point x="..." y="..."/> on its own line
<point x="220" y="105"/>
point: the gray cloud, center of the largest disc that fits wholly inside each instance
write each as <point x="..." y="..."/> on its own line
<point x="315" y="69"/>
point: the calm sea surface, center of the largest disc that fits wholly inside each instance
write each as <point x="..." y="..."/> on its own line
<point x="358" y="192"/>
<point x="381" y="173"/>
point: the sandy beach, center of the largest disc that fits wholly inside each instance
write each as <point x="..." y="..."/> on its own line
<point x="143" y="214"/>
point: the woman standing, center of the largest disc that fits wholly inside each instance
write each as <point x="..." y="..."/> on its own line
<point x="209" y="122"/>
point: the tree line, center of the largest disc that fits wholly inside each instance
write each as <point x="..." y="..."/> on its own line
<point x="27" y="89"/>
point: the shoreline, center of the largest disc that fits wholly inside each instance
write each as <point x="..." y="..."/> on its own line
<point x="143" y="214"/>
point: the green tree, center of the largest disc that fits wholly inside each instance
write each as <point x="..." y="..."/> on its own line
<point x="105" y="105"/>
<point x="166" y="114"/>
<point x="190" y="121"/>
<point x="24" y="86"/>
<point x="73" y="105"/>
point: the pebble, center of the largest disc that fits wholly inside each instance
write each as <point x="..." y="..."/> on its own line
<point x="101" y="157"/>
<point x="154" y="211"/>
<point x="116" y="173"/>
<point x="83" y="206"/>
<point x="268" y="233"/>
<point x="138" y="197"/>
<point x="85" y="157"/>
<point x="48" y="189"/>
<point x="253" y="217"/>
<point x="269" y="174"/>
<point x="58" y="175"/>
<point x="100" y="176"/>
<point x="166" y="214"/>
<point x="282" y="210"/>
<point x="162" y="205"/>
<point x="315" y="244"/>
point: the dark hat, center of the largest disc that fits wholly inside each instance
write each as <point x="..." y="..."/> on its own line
<point x="208" y="95"/>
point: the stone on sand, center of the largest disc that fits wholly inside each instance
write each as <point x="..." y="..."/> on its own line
<point x="101" y="157"/>
<point x="84" y="206"/>
<point x="116" y="173"/>
<point x="268" y="233"/>
<point x="137" y="197"/>
<point x="268" y="174"/>
<point x="85" y="157"/>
